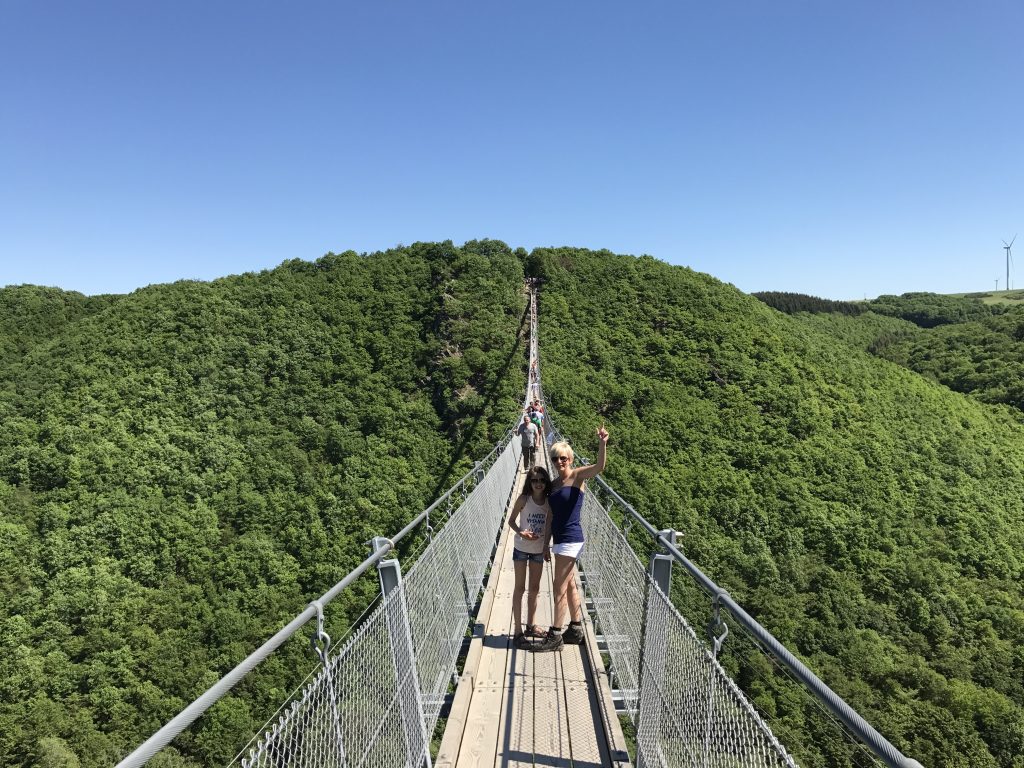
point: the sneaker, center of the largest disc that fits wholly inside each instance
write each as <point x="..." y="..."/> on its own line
<point x="551" y="642"/>
<point x="573" y="635"/>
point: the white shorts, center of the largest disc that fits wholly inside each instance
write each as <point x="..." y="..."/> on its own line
<point x="569" y="549"/>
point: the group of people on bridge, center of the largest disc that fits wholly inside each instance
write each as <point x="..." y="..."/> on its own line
<point x="546" y="518"/>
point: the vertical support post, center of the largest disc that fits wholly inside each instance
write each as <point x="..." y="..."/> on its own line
<point x="403" y="656"/>
<point x="389" y="571"/>
<point x="652" y="672"/>
<point x="661" y="565"/>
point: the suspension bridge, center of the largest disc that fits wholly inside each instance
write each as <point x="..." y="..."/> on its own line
<point x="438" y="645"/>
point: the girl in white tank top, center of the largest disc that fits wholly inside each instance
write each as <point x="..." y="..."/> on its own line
<point x="531" y="520"/>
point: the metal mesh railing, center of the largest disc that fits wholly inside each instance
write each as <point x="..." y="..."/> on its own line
<point x="616" y="584"/>
<point x="443" y="584"/>
<point x="686" y="709"/>
<point x="690" y="712"/>
<point x="377" y="700"/>
<point x="354" y="711"/>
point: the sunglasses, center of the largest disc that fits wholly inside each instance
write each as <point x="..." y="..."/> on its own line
<point x="559" y="459"/>
<point x="537" y="480"/>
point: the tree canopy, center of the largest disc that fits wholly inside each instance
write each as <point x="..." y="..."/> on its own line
<point x="184" y="468"/>
<point x="929" y="310"/>
<point x="871" y="519"/>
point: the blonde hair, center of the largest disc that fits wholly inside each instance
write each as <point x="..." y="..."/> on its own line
<point x="562" y="448"/>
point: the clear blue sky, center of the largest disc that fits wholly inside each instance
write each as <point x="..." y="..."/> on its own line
<point x="839" y="149"/>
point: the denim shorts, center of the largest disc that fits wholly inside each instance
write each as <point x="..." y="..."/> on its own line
<point x="519" y="556"/>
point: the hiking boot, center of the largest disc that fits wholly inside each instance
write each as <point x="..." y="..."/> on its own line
<point x="552" y="642"/>
<point x="573" y="635"/>
<point x="520" y="642"/>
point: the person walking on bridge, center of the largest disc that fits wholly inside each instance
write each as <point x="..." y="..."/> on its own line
<point x="528" y="433"/>
<point x="566" y="500"/>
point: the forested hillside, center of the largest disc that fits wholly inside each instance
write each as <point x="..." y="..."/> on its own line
<point x="31" y="315"/>
<point x="983" y="358"/>
<point x="791" y="303"/>
<point x="184" y="468"/>
<point x="968" y="346"/>
<point x="930" y="310"/>
<point x="869" y="517"/>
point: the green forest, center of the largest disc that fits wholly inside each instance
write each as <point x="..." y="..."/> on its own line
<point x="961" y="342"/>
<point x="869" y="517"/>
<point x="983" y="358"/>
<point x="183" y="468"/>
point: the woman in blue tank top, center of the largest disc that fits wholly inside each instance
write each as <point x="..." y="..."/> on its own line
<point x="566" y="502"/>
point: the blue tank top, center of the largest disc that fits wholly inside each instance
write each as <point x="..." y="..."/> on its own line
<point x="566" y="505"/>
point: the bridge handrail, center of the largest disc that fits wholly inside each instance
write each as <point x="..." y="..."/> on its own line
<point x="858" y="726"/>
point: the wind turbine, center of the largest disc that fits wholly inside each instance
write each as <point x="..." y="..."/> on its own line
<point x="1009" y="259"/>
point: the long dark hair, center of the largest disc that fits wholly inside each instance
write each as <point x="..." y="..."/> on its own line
<point x="537" y="473"/>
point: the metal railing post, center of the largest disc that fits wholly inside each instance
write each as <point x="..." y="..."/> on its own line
<point x="652" y="659"/>
<point x="389" y="571"/>
<point x="403" y="656"/>
<point x="661" y="564"/>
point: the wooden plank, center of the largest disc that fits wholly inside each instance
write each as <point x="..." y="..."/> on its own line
<point x="514" y="742"/>
<point x="490" y="689"/>
<point x="591" y="745"/>
<point x="550" y="727"/>
<point x="586" y="734"/>
<point x="480" y="736"/>
<point x="515" y="733"/>
<point x="491" y="679"/>
<point x="573" y="671"/>
<point x="606" y="716"/>
<point x="493" y="669"/>
<point x="546" y="673"/>
<point x="545" y="604"/>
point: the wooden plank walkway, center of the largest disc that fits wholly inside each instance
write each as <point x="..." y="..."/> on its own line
<point x="518" y="708"/>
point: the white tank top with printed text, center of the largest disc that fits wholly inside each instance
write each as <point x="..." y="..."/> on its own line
<point x="531" y="518"/>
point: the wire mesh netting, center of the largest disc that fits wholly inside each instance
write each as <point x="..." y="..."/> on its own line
<point x="616" y="584"/>
<point x="686" y="709"/>
<point x="355" y="711"/>
<point x="376" y="701"/>
<point x="443" y="585"/>
<point x="690" y="711"/>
